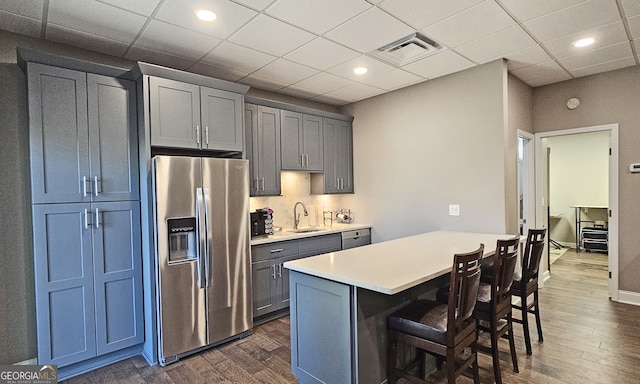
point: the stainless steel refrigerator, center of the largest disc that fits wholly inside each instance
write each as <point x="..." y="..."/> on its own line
<point x="201" y="208"/>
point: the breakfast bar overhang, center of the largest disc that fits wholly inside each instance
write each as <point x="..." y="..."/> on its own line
<point x="340" y="301"/>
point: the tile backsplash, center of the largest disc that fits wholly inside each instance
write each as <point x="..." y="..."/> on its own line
<point x="296" y="187"/>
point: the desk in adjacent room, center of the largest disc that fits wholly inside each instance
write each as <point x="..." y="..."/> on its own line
<point x="340" y="301"/>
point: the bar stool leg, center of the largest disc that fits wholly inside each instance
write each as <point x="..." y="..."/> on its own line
<point x="525" y="323"/>
<point x="512" y="346"/>
<point x="474" y="366"/>
<point x="495" y="353"/>
<point x="537" y="313"/>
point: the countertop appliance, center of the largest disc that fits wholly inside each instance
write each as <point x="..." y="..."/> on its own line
<point x="203" y="270"/>
<point x="356" y="238"/>
<point x="262" y="222"/>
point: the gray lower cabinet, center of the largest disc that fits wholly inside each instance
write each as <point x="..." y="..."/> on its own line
<point x="338" y="159"/>
<point x="262" y="132"/>
<point x="184" y="115"/>
<point x="271" y="280"/>
<point x="302" y="142"/>
<point x="83" y="136"/>
<point x="88" y="280"/>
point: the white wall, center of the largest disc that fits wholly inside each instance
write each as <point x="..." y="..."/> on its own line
<point x="421" y="148"/>
<point x="578" y="174"/>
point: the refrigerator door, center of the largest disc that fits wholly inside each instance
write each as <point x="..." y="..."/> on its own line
<point x="179" y="251"/>
<point x="227" y="263"/>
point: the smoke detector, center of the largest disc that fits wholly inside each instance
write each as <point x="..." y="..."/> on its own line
<point x="407" y="50"/>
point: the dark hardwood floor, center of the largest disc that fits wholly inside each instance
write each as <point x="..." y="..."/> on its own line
<point x="587" y="339"/>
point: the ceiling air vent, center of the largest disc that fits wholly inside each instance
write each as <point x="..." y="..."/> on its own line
<point x="407" y="50"/>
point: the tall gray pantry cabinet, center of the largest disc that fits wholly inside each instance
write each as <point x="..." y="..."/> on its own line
<point x="86" y="217"/>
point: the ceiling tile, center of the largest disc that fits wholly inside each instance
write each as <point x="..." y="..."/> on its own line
<point x="526" y="57"/>
<point x="271" y="36"/>
<point x="85" y="41"/>
<point x="598" y="56"/>
<point x="604" y="67"/>
<point x="634" y="27"/>
<point x="32" y="8"/>
<point x="143" y="7"/>
<point x="393" y="80"/>
<point x="163" y="37"/>
<point x="217" y="72"/>
<point x="631" y="7"/>
<point x="548" y="79"/>
<point x="526" y="9"/>
<point x="547" y="69"/>
<point x="605" y="35"/>
<point x="470" y="24"/>
<point x="374" y="68"/>
<point x="438" y="65"/>
<point x="586" y="15"/>
<point x="262" y="83"/>
<point x="496" y="44"/>
<point x="238" y="58"/>
<point x="370" y="30"/>
<point x="285" y="71"/>
<point x="230" y="16"/>
<point x="321" y="54"/>
<point x="317" y="16"/>
<point x="355" y="92"/>
<point x="160" y="58"/>
<point x="258" y="5"/>
<point x="420" y="13"/>
<point x="96" y="18"/>
<point x="20" y="24"/>
<point x="323" y="82"/>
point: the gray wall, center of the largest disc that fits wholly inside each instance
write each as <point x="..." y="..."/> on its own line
<point x="421" y="148"/>
<point x="610" y="97"/>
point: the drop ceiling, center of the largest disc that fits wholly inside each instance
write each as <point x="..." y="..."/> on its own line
<point x="309" y="48"/>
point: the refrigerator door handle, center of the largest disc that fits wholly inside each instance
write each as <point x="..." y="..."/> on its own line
<point x="200" y="222"/>
<point x="209" y="238"/>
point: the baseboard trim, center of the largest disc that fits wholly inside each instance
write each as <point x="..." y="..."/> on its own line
<point x="33" y="361"/>
<point x="545" y="276"/>
<point x="628" y="297"/>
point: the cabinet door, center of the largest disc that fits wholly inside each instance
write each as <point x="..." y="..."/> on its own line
<point x="65" y="316"/>
<point x="113" y="138"/>
<point x="291" y="131"/>
<point x="283" y="281"/>
<point x="268" y="151"/>
<point x="330" y="148"/>
<point x="174" y="113"/>
<point x="264" y="287"/>
<point x="251" y="137"/>
<point x="117" y="275"/>
<point x="344" y="165"/>
<point x="313" y="142"/>
<point x="58" y="135"/>
<point x="221" y="120"/>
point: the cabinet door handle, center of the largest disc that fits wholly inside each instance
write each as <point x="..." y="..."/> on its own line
<point x="86" y="218"/>
<point x="257" y="188"/>
<point x="274" y="271"/>
<point x="280" y="270"/>
<point x="197" y="134"/>
<point x="263" y="184"/>
<point x="97" y="218"/>
<point x="342" y="183"/>
<point x="206" y="134"/>
<point x="84" y="186"/>
<point x="302" y="160"/>
<point x="95" y="185"/>
<point x="276" y="250"/>
<point x="307" y="157"/>
<point x="337" y="183"/>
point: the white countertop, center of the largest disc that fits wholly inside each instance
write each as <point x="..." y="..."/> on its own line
<point x="286" y="235"/>
<point x="393" y="266"/>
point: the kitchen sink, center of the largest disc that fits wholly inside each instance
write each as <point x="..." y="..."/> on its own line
<point x="305" y="230"/>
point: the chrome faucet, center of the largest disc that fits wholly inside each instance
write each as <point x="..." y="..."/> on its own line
<point x="296" y="216"/>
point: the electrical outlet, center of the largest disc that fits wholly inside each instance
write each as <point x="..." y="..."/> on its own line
<point x="454" y="210"/>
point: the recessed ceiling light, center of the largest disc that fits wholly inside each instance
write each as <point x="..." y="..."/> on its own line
<point x="584" y="42"/>
<point x="360" y="70"/>
<point x="206" y="15"/>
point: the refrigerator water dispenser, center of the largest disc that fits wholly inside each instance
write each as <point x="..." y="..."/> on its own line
<point x="182" y="239"/>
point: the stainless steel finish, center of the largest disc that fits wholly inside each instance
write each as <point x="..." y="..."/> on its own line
<point x="296" y="216"/>
<point x="280" y="270"/>
<point x="86" y="218"/>
<point x="257" y="188"/>
<point x="97" y="218"/>
<point x="84" y="186"/>
<point x="207" y="299"/>
<point x="273" y="266"/>
<point x="337" y="183"/>
<point x="95" y="185"/>
<point x="206" y="134"/>
<point x="277" y="250"/>
<point x="197" y="134"/>
<point x="302" y="160"/>
<point x="356" y="238"/>
<point x="262" y="183"/>
<point x="307" y="158"/>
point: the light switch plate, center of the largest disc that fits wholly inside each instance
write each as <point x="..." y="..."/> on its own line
<point x="454" y="210"/>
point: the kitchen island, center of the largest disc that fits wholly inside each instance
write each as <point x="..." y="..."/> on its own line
<point x="340" y="301"/>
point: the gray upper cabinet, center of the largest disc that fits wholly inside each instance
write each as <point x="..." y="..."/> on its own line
<point x="83" y="136"/>
<point x="263" y="134"/>
<point x="302" y="142"/>
<point x="338" y="159"/>
<point x="184" y="115"/>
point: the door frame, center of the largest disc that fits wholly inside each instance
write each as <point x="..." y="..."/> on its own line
<point x="528" y="177"/>
<point x="613" y="130"/>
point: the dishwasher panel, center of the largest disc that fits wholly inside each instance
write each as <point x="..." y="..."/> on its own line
<point x="356" y="238"/>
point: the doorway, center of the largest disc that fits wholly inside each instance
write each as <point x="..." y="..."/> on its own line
<point x="544" y="205"/>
